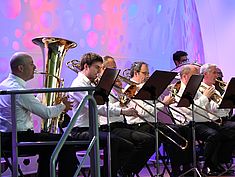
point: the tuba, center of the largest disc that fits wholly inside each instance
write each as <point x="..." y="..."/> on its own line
<point x="54" y="51"/>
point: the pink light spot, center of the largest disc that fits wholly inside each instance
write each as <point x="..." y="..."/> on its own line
<point x="86" y="22"/>
<point x="82" y="7"/>
<point x="92" y="39"/>
<point x="27" y="25"/>
<point x="18" y="33"/>
<point x="36" y="28"/>
<point x="35" y="4"/>
<point x="46" y="19"/>
<point x="99" y="22"/>
<point x="27" y="40"/>
<point x="10" y="8"/>
<point x="103" y="39"/>
<point x="5" y="41"/>
<point x="112" y="45"/>
<point x="15" y="46"/>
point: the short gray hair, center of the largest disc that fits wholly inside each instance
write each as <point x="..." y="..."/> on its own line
<point x="206" y="68"/>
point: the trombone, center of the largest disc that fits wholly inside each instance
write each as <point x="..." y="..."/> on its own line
<point x="75" y="66"/>
<point x="142" y="118"/>
<point x="128" y="94"/>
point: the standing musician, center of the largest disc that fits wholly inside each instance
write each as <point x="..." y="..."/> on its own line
<point x="124" y="153"/>
<point x="139" y="73"/>
<point x="22" y="70"/>
<point x="216" y="137"/>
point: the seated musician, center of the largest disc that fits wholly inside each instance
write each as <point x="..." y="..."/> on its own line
<point x="22" y="70"/>
<point x="180" y="57"/>
<point x="207" y="129"/>
<point x="124" y="153"/>
<point x="139" y="73"/>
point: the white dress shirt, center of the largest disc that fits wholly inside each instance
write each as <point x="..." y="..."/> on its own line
<point x="200" y="100"/>
<point x="139" y="105"/>
<point x="83" y="119"/>
<point x="25" y="105"/>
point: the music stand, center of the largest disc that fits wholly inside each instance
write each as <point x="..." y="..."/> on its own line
<point x="228" y="101"/>
<point x="101" y="96"/>
<point x="151" y="90"/>
<point x="185" y="101"/>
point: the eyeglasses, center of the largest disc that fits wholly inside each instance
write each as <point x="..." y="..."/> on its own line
<point x="183" y="61"/>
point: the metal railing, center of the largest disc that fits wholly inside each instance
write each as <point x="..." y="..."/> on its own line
<point x="93" y="130"/>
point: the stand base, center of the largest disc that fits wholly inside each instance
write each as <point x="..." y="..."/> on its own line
<point x="195" y="170"/>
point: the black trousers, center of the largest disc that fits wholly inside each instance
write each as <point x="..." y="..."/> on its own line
<point x="120" y="148"/>
<point x="130" y="150"/>
<point x="143" y="146"/>
<point x="177" y="155"/>
<point x="67" y="158"/>
<point x="219" y="141"/>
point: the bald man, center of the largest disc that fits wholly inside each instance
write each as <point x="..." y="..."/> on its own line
<point x="22" y="70"/>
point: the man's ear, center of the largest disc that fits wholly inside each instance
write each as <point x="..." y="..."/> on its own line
<point x="21" y="68"/>
<point x="135" y="73"/>
<point x="86" y="66"/>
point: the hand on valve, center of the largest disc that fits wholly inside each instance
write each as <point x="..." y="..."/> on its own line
<point x="168" y="100"/>
<point x="68" y="104"/>
<point x="129" y="112"/>
<point x="208" y="92"/>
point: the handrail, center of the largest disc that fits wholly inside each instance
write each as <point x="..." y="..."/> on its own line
<point x="13" y="93"/>
<point x="66" y="134"/>
<point x="46" y="90"/>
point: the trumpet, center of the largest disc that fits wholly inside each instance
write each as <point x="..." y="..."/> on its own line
<point x="215" y="97"/>
<point x="174" y="88"/>
<point x="222" y="84"/>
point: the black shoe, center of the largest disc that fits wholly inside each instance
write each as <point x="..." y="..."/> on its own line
<point x="210" y="171"/>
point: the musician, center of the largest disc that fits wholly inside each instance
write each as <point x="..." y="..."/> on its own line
<point x="22" y="70"/>
<point x="214" y="136"/>
<point x="180" y="57"/>
<point x="124" y="152"/>
<point x="139" y="73"/>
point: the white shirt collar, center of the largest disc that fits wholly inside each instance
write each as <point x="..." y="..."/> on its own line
<point x="18" y="79"/>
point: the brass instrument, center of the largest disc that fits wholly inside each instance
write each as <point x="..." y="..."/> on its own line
<point x="126" y="95"/>
<point x="216" y="97"/>
<point x="54" y="51"/>
<point x="174" y="89"/>
<point x="150" y="114"/>
<point x="222" y="84"/>
<point x="74" y="65"/>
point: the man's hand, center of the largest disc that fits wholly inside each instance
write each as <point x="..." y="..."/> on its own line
<point x="209" y="92"/>
<point x="129" y="112"/>
<point x="68" y="104"/>
<point x="168" y="100"/>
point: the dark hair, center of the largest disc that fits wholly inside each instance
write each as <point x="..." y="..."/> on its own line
<point x="136" y="66"/>
<point x="107" y="57"/>
<point x="89" y="59"/>
<point x="178" y="54"/>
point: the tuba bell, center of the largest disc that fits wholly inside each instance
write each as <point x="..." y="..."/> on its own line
<point x="54" y="51"/>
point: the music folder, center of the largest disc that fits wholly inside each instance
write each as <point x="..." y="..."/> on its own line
<point x="155" y="85"/>
<point x="228" y="100"/>
<point x="105" y="85"/>
<point x="190" y="91"/>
